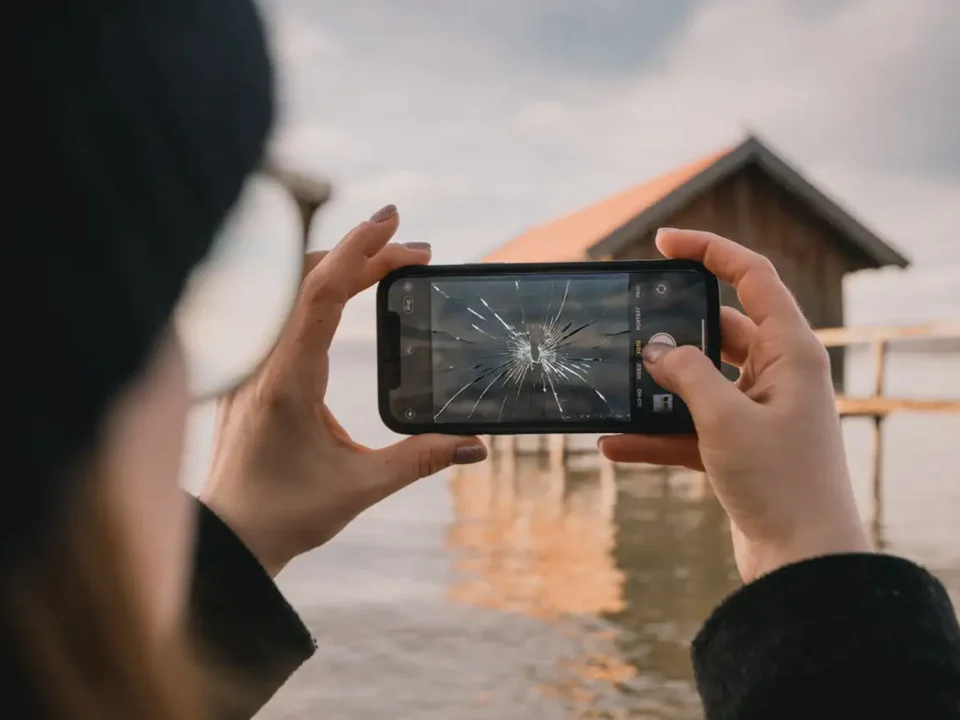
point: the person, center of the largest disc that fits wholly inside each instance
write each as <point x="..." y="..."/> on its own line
<point x="135" y="131"/>
<point x="122" y="597"/>
<point x="823" y="627"/>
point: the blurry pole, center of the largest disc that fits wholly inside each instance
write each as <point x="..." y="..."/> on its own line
<point x="309" y="193"/>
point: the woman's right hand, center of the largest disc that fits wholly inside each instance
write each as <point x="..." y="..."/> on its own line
<point x="770" y="443"/>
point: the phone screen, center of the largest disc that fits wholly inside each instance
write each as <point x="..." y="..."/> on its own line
<point x="541" y="350"/>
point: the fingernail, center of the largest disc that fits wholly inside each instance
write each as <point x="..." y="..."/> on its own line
<point x="654" y="351"/>
<point x="422" y="246"/>
<point x="469" y="454"/>
<point x="384" y="213"/>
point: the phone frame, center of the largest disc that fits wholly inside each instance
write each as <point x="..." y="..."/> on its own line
<point x="386" y="354"/>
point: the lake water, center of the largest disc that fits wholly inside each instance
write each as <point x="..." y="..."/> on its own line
<point x="508" y="591"/>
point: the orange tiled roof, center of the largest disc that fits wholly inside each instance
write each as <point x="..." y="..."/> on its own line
<point x="568" y="238"/>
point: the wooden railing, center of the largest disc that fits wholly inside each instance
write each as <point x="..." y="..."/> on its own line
<point x="878" y="406"/>
<point x="879" y="338"/>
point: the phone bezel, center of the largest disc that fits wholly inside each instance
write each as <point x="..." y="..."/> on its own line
<point x="388" y="357"/>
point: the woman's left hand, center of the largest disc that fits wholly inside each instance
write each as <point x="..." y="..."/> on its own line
<point x="286" y="477"/>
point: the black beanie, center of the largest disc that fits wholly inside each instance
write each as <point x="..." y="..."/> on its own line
<point x="130" y="128"/>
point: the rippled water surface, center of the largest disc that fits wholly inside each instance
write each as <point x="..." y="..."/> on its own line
<point x="515" y="591"/>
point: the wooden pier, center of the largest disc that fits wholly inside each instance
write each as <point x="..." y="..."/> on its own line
<point x="877" y="406"/>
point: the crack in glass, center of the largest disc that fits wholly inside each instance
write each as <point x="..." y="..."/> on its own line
<point x="539" y="354"/>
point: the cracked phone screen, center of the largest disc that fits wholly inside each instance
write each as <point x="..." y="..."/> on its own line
<point x="531" y="348"/>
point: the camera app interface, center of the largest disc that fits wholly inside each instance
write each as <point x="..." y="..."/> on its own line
<point x="547" y="348"/>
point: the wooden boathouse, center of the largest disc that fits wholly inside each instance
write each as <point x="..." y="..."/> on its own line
<point x="745" y="192"/>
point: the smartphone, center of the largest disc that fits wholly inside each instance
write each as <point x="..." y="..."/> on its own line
<point x="504" y="349"/>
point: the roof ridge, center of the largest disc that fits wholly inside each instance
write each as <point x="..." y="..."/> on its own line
<point x="630" y="201"/>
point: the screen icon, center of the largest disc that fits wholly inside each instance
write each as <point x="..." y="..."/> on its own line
<point x="664" y="339"/>
<point x="662" y="288"/>
<point x="663" y="403"/>
<point x="409" y="413"/>
<point x="408" y="304"/>
<point x="407" y="286"/>
<point x="408" y="350"/>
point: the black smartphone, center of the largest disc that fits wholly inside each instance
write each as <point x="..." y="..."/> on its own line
<point x="504" y="349"/>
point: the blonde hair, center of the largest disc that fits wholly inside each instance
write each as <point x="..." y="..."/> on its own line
<point x="79" y="628"/>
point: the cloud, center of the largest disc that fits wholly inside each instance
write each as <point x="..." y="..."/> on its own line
<point x="481" y="119"/>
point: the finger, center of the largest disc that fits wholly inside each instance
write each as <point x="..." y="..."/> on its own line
<point x="333" y="279"/>
<point x="420" y="456"/>
<point x="652" y="449"/>
<point x="686" y="371"/>
<point x="391" y="257"/>
<point x="761" y="292"/>
<point x="737" y="332"/>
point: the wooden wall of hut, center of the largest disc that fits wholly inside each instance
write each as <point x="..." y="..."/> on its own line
<point x="810" y="256"/>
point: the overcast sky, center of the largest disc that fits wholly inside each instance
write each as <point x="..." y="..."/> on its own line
<point x="480" y="118"/>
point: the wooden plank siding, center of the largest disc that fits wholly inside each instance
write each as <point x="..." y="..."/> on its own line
<point x="755" y="211"/>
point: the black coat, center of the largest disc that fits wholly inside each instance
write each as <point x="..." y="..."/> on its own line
<point x="848" y="636"/>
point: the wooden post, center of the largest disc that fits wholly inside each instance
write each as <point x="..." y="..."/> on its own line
<point x="503" y="482"/>
<point x="543" y="444"/>
<point x="555" y="490"/>
<point x="608" y="468"/>
<point x="557" y="445"/>
<point x="507" y="444"/>
<point x="876" y="469"/>
<point x="488" y="443"/>
<point x="608" y="489"/>
<point x="665" y="485"/>
<point x="507" y="455"/>
<point x="699" y="485"/>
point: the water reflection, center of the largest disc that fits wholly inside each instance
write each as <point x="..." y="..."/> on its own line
<point x="629" y="565"/>
<point x="532" y="540"/>
<point x="674" y="545"/>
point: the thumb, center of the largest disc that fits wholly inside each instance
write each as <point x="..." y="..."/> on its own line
<point x="420" y="456"/>
<point x="689" y="373"/>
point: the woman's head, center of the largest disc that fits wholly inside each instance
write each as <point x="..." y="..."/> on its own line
<point x="139" y="127"/>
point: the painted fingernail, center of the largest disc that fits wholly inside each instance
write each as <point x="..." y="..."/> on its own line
<point x="654" y="351"/>
<point x="421" y="246"/>
<point x="469" y="454"/>
<point x="384" y="214"/>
